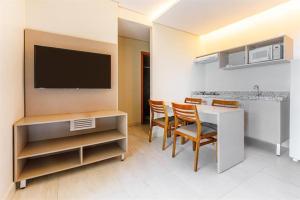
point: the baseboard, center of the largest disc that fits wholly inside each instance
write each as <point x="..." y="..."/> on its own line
<point x="10" y="193"/>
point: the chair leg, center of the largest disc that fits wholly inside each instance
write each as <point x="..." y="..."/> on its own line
<point x="174" y="145"/>
<point x="196" y="157"/>
<point x="182" y="140"/>
<point x="194" y="146"/>
<point x="165" y="138"/>
<point x="150" y="133"/>
<point x="169" y="131"/>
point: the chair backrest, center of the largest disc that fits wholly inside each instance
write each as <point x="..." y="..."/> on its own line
<point x="186" y="113"/>
<point x="158" y="107"/>
<point x="193" y="100"/>
<point x="225" y="103"/>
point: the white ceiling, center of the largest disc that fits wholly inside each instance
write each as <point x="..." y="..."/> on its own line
<point x="203" y="16"/>
<point x="145" y="7"/>
<point x="133" y="30"/>
<point x="200" y="16"/>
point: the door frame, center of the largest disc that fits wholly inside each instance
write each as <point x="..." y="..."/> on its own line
<point x="143" y="53"/>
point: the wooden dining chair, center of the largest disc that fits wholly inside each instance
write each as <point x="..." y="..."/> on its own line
<point x="164" y="121"/>
<point x="190" y="100"/>
<point x="225" y="103"/>
<point x="198" y="134"/>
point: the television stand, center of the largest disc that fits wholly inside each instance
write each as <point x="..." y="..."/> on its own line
<point x="48" y="154"/>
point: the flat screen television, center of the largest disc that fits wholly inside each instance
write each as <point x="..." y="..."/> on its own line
<point x="63" y="68"/>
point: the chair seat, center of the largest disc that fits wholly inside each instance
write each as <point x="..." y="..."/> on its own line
<point x="161" y="120"/>
<point x="210" y="125"/>
<point x="191" y="130"/>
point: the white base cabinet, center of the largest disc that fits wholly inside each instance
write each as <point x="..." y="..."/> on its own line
<point x="267" y="121"/>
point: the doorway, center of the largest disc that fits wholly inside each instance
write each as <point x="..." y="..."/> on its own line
<point x="145" y="87"/>
<point x="133" y="40"/>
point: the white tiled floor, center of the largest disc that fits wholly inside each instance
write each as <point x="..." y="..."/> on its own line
<point x="150" y="173"/>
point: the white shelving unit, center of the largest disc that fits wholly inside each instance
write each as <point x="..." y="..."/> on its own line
<point x="37" y="158"/>
<point x="238" y="57"/>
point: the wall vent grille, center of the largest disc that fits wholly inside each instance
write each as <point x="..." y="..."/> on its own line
<point x="81" y="124"/>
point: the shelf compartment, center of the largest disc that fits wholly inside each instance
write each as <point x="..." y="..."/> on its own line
<point x="277" y="40"/>
<point x="101" y="152"/>
<point x="271" y="62"/>
<point x="49" y="164"/>
<point x="68" y="143"/>
<point x="232" y="57"/>
<point x="54" y="118"/>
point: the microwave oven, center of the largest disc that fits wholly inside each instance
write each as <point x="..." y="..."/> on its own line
<point x="261" y="54"/>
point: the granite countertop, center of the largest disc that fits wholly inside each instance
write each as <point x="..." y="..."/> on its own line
<point x="243" y="95"/>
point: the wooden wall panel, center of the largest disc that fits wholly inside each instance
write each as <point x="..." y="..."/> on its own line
<point x="57" y="101"/>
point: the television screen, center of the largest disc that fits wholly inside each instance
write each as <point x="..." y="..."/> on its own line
<point x="63" y="68"/>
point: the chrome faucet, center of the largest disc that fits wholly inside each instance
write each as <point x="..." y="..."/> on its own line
<point x="256" y="88"/>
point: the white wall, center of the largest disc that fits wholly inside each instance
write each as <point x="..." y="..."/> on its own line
<point x="12" y="22"/>
<point x="280" y="20"/>
<point x="295" y="110"/>
<point x="130" y="77"/>
<point x="269" y="78"/>
<point x="95" y="20"/>
<point x="92" y="19"/>
<point x="173" y="74"/>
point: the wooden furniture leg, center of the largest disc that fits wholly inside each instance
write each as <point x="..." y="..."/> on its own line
<point x="150" y="133"/>
<point x="165" y="137"/>
<point x="169" y="130"/>
<point x="194" y="146"/>
<point x="196" y="156"/>
<point x="183" y="140"/>
<point x="174" y="145"/>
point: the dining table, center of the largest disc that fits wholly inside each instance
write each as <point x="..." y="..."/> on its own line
<point x="230" y="133"/>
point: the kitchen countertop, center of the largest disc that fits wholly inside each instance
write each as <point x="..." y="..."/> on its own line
<point x="243" y="95"/>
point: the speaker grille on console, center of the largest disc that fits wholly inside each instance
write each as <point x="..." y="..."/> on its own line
<point x="81" y="124"/>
